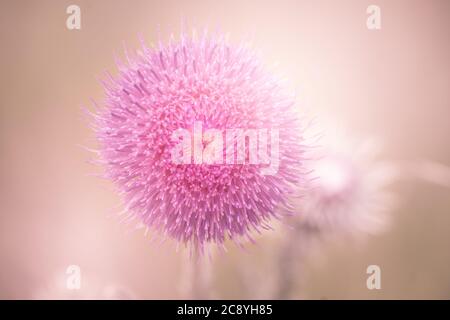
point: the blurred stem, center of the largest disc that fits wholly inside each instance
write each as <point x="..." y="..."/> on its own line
<point x="292" y="259"/>
<point x="196" y="276"/>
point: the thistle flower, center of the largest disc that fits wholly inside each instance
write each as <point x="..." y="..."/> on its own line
<point x="346" y="197"/>
<point x="202" y="80"/>
<point x="348" y="192"/>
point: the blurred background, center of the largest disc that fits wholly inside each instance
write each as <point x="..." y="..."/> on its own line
<point x="392" y="83"/>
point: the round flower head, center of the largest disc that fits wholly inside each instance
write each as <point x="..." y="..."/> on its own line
<point x="202" y="142"/>
<point x="347" y="192"/>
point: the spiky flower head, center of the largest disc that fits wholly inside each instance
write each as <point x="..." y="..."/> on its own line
<point x="348" y="193"/>
<point x="196" y="84"/>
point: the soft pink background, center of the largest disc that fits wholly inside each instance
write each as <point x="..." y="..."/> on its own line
<point x="393" y="83"/>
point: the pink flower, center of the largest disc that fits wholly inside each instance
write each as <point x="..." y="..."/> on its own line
<point x="209" y="82"/>
<point x="348" y="193"/>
